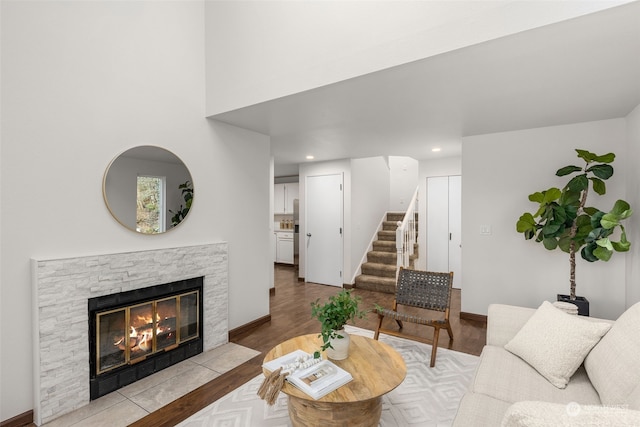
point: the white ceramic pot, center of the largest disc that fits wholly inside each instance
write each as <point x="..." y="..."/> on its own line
<point x="340" y="346"/>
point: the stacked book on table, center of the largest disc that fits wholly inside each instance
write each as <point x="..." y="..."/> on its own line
<point x="317" y="380"/>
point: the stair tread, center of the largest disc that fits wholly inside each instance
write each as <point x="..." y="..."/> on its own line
<point x="376" y="284"/>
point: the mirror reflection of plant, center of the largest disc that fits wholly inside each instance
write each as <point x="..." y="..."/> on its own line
<point x="563" y="221"/>
<point x="187" y="195"/>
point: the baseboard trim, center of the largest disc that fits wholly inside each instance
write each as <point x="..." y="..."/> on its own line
<point x="19" y="420"/>
<point x="473" y="316"/>
<point x="233" y="333"/>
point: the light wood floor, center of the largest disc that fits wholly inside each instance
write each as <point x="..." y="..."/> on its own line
<point x="290" y="317"/>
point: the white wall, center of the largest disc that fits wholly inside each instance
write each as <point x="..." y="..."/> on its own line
<point x="326" y="168"/>
<point x="82" y="82"/>
<point x="268" y="49"/>
<point x="369" y="203"/>
<point x="446" y="166"/>
<point x="633" y="197"/>
<point x="499" y="172"/>
<point x="403" y="178"/>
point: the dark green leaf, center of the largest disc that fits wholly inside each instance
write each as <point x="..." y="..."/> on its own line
<point x="570" y="198"/>
<point x="550" y="230"/>
<point x="583" y="220"/>
<point x="587" y="252"/>
<point x="596" y="218"/>
<point x="567" y="170"/>
<point x="564" y="243"/>
<point x="601" y="171"/>
<point x="578" y="183"/>
<point x="589" y="210"/>
<point x="559" y="214"/>
<point x="598" y="186"/>
<point x="571" y="211"/>
<point x="550" y="243"/>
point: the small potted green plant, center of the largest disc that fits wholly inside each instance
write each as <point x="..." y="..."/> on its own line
<point x="333" y="315"/>
<point x="563" y="220"/>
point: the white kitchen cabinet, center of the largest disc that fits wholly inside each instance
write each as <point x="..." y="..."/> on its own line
<point x="283" y="196"/>
<point x="284" y="247"/>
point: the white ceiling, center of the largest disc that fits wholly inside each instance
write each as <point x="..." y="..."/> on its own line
<point x="580" y="70"/>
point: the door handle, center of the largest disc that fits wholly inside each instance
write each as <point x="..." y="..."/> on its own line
<point x="308" y="234"/>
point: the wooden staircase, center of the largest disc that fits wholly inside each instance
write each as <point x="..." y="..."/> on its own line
<point x="379" y="272"/>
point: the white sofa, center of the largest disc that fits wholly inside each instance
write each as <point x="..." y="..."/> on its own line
<point x="508" y="391"/>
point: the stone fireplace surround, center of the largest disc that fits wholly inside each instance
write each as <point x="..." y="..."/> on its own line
<point x="62" y="287"/>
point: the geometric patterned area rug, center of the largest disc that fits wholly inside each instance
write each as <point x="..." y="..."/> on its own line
<point x="427" y="396"/>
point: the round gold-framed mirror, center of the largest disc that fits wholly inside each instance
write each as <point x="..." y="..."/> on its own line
<point x="148" y="189"/>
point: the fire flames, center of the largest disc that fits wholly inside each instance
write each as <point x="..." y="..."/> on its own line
<point x="141" y="338"/>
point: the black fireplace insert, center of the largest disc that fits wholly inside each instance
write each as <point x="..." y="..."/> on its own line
<point x="137" y="333"/>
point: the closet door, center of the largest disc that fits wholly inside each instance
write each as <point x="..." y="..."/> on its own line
<point x="438" y="224"/>
<point x="455" y="229"/>
<point x="444" y="213"/>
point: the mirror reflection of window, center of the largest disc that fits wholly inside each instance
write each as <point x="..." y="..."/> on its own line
<point x="150" y="204"/>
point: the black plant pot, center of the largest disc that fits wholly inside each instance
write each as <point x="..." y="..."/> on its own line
<point x="581" y="302"/>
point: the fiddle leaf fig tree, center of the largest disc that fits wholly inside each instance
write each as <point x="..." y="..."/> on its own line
<point x="564" y="221"/>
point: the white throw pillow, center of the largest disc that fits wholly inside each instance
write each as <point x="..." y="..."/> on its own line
<point x="555" y="343"/>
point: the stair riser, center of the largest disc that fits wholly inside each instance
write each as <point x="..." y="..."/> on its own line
<point x="387" y="236"/>
<point x="382" y="258"/>
<point x="373" y="271"/>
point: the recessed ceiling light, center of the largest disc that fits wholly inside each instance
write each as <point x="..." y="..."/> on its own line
<point x="310" y="157"/>
<point x="435" y="150"/>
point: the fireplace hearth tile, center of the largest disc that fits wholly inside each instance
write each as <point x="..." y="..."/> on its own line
<point x="106" y="403"/>
<point x="230" y="359"/>
<point x="119" y="415"/>
<point x="158" y="396"/>
<point x="158" y="378"/>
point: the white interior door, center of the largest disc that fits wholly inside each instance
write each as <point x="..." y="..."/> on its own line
<point x="455" y="229"/>
<point x="438" y="224"/>
<point x="444" y="226"/>
<point x="324" y="245"/>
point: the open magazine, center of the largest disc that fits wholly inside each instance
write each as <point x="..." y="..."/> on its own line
<point x="316" y="380"/>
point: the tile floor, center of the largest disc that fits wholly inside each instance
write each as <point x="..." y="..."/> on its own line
<point x="135" y="401"/>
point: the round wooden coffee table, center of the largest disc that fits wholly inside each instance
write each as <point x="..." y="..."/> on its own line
<point x="376" y="369"/>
